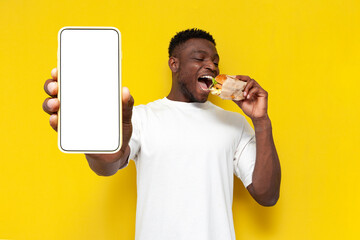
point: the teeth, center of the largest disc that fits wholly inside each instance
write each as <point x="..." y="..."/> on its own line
<point x="207" y="76"/>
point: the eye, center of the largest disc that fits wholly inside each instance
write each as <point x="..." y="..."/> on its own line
<point x="216" y="64"/>
<point x="199" y="59"/>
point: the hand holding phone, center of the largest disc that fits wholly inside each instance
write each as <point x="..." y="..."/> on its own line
<point x="98" y="162"/>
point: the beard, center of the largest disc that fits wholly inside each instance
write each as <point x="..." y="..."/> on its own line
<point x="187" y="93"/>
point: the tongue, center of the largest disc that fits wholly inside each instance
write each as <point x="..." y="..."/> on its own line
<point x="203" y="85"/>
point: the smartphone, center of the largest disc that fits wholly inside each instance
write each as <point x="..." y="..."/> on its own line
<point x="89" y="78"/>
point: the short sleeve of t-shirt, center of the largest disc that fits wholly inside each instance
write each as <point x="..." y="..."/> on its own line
<point x="134" y="143"/>
<point x="245" y="155"/>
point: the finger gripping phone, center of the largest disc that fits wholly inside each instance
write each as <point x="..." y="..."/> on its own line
<point x="89" y="78"/>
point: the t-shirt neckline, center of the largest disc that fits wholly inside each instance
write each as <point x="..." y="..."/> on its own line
<point x="187" y="105"/>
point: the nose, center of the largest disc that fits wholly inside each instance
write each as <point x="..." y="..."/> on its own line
<point x="212" y="67"/>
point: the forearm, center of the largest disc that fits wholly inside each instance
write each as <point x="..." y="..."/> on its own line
<point x="108" y="164"/>
<point x="267" y="173"/>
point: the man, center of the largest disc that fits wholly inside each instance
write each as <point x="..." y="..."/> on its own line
<point x="186" y="149"/>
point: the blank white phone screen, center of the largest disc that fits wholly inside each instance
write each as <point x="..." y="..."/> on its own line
<point x="89" y="83"/>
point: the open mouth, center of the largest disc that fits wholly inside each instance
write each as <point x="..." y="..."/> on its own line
<point x="205" y="82"/>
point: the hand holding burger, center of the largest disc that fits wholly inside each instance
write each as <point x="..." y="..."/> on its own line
<point x="244" y="91"/>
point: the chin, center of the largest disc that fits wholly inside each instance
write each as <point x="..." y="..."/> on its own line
<point x="202" y="99"/>
<point x="193" y="95"/>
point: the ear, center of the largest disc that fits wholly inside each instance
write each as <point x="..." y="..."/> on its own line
<point x="174" y="64"/>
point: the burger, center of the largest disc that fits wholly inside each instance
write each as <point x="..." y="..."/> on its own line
<point x="228" y="87"/>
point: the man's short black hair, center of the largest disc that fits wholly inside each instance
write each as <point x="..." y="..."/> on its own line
<point x="185" y="35"/>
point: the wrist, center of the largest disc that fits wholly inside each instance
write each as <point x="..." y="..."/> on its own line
<point x="262" y="124"/>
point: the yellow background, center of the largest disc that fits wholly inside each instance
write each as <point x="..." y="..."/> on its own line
<point x="305" y="53"/>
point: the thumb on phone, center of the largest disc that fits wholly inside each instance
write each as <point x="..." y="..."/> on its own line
<point x="127" y="103"/>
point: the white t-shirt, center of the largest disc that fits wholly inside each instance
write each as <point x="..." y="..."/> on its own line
<point x="186" y="155"/>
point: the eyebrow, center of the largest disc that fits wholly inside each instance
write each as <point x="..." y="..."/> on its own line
<point x="202" y="51"/>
